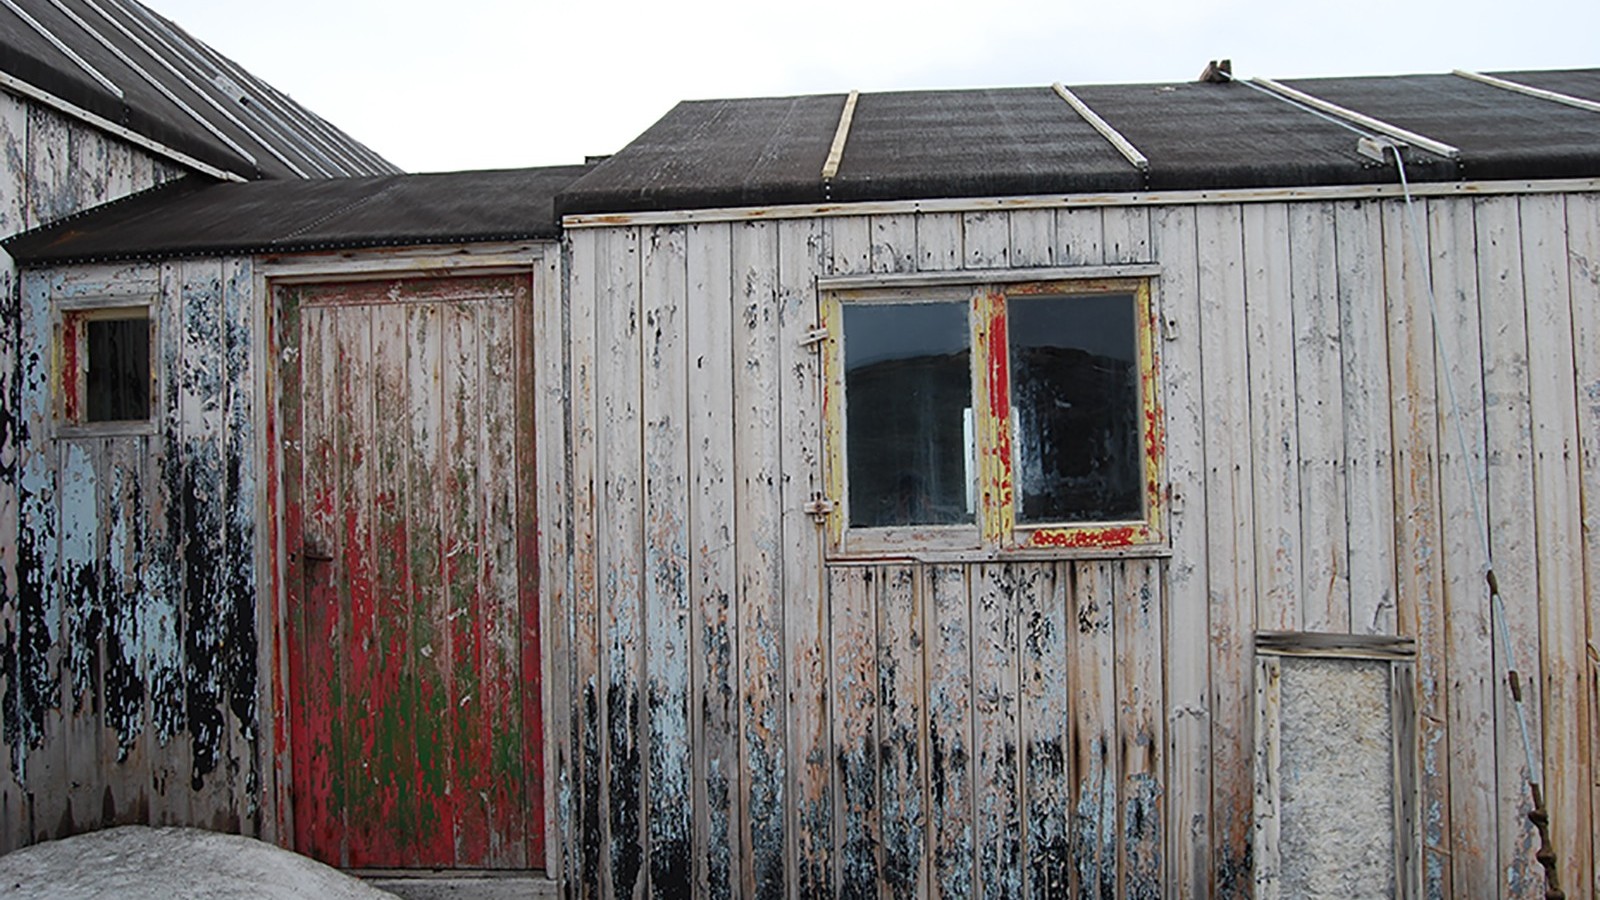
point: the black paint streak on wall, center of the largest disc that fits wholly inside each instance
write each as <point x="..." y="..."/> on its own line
<point x="627" y="851"/>
<point x="671" y="867"/>
<point x="168" y="711"/>
<point x="719" y="715"/>
<point x="34" y="687"/>
<point x="81" y="603"/>
<point x="124" y="688"/>
<point x="202" y="564"/>
<point x="1049" y="846"/>
<point x="858" y="862"/>
<point x="590" y="838"/>
<point x="239" y="622"/>
<point x="31" y="693"/>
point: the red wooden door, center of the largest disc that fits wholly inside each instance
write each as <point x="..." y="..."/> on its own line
<point x="413" y="631"/>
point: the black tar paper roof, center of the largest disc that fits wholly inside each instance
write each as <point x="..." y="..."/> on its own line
<point x="916" y="145"/>
<point x="194" y="218"/>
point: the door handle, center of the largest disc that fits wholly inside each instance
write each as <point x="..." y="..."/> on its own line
<point x="312" y="553"/>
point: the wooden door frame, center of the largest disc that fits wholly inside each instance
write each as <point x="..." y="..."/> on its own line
<point x="540" y="261"/>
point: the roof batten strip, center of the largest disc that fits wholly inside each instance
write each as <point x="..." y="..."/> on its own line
<point x="56" y="42"/>
<point x="266" y="99"/>
<point x="1528" y="89"/>
<point x="201" y="92"/>
<point x="1439" y="148"/>
<point x="154" y="82"/>
<point x="1112" y="135"/>
<point x="204" y="91"/>
<point x="830" y="168"/>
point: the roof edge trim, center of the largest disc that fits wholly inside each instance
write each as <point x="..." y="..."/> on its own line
<point x="24" y="89"/>
<point x="1061" y="201"/>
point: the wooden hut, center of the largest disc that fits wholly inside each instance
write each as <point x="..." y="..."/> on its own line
<point x="853" y="587"/>
<point x="1025" y="492"/>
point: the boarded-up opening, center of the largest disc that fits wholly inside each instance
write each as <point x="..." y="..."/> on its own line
<point x="1335" y="749"/>
<point x="411" y="583"/>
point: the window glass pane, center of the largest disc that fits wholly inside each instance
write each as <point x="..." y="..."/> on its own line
<point x="908" y="401"/>
<point x="1075" y="403"/>
<point x="117" y="376"/>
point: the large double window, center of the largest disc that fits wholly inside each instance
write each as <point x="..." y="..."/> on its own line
<point x="1006" y="415"/>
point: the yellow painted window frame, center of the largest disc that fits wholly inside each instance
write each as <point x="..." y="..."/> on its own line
<point x="995" y="529"/>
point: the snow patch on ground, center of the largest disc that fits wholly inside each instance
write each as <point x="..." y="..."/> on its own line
<point x="141" y="863"/>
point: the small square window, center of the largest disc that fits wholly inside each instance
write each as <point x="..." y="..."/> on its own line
<point x="107" y="377"/>
<point x="999" y="416"/>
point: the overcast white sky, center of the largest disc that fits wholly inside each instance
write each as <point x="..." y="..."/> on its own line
<point x="466" y="84"/>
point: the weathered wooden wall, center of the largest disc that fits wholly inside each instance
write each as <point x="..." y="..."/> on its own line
<point x="728" y="707"/>
<point x="130" y="677"/>
<point x="50" y="167"/>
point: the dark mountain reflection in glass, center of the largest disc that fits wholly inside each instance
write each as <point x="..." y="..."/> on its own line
<point x="908" y="392"/>
<point x="1075" y="404"/>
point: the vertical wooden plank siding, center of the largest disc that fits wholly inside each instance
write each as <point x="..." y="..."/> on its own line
<point x="939" y="242"/>
<point x="1080" y="235"/>
<point x="760" y="541"/>
<point x="1274" y="439"/>
<point x="853" y="598"/>
<point x="620" y="536"/>
<point x="1044" y="638"/>
<point x="950" y="777"/>
<point x="985" y="240"/>
<point x="902" y="752"/>
<point x="806" y="614"/>
<point x="1368" y="455"/>
<point x="1095" y="767"/>
<point x="1125" y="231"/>
<point x="13" y="203"/>
<point x="393" y="759"/>
<point x="894" y="243"/>
<point x="1555" y="451"/>
<point x="551" y="500"/>
<point x="1468" y="652"/>
<point x="1185" y="646"/>
<point x="1141" y="824"/>
<point x="1583" y="257"/>
<point x="589" y="753"/>
<point x="666" y="551"/>
<point x="998" y="590"/>
<point x="1033" y="238"/>
<point x="893" y="723"/>
<point x="1318" y="396"/>
<point x="243" y="624"/>
<point x="851" y="632"/>
<point x="714" y="630"/>
<point x="53" y="166"/>
<point x="1415" y="407"/>
<point x="430" y="653"/>
<point x="1230" y="541"/>
<point x="1508" y="427"/>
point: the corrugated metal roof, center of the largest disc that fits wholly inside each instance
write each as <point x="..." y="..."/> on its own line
<point x="118" y="60"/>
<point x="191" y="217"/>
<point x="1029" y="141"/>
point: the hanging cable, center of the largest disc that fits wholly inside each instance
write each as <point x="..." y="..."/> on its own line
<point x="1539" y="815"/>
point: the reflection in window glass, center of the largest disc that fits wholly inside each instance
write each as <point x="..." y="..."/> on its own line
<point x="1075" y="403"/>
<point x="908" y="389"/>
<point x="117" y="376"/>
